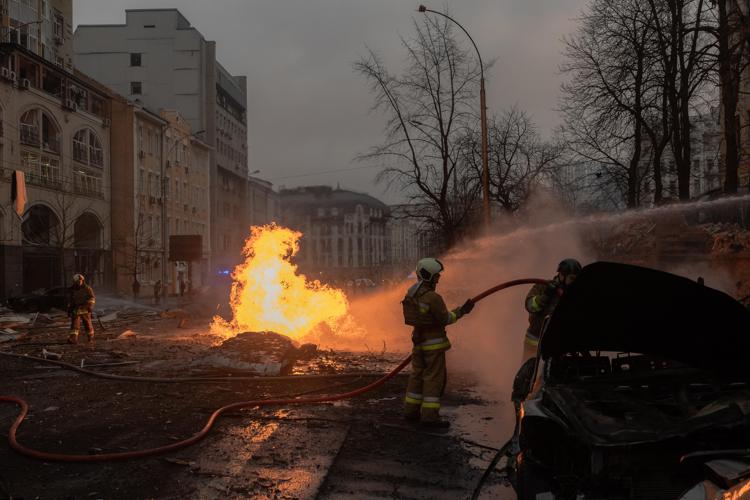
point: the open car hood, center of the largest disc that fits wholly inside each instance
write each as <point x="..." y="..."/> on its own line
<point x="624" y="308"/>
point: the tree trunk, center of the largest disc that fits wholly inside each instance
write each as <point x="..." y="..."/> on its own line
<point x="729" y="82"/>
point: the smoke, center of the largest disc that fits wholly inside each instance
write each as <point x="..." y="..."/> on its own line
<point x="488" y="344"/>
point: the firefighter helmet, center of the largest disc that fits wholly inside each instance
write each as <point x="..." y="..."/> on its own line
<point x="569" y="266"/>
<point x="428" y="269"/>
<point x="78" y="278"/>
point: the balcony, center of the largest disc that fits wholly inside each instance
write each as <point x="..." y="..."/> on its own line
<point x="45" y="181"/>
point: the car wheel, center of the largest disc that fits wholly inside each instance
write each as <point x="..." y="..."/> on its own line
<point x="533" y="482"/>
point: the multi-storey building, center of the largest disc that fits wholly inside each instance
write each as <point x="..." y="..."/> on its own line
<point x="186" y="196"/>
<point x="408" y="241"/>
<point x="55" y="130"/>
<point x="158" y="58"/>
<point x="705" y="151"/>
<point x="344" y="233"/>
<point x="42" y="27"/>
<point x="263" y="202"/>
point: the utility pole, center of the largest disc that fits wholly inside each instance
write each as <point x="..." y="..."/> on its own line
<point x="486" y="214"/>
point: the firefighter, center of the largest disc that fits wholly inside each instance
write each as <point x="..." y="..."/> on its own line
<point x="81" y="302"/>
<point x="541" y="301"/>
<point x="425" y="310"/>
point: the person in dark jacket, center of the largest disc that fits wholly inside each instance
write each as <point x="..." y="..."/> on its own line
<point x="542" y="300"/>
<point x="81" y="302"/>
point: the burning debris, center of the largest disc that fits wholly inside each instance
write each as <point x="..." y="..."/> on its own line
<point x="262" y="353"/>
<point x="268" y="294"/>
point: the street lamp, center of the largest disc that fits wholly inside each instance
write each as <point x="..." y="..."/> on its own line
<point x="483" y="117"/>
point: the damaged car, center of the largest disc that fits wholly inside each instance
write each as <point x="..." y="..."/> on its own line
<point x="640" y="389"/>
<point x="40" y="301"/>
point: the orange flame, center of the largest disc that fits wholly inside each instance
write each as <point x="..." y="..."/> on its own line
<point x="269" y="295"/>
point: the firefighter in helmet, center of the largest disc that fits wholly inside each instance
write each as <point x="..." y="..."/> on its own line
<point x="542" y="299"/>
<point x="81" y="302"/>
<point x="425" y="310"/>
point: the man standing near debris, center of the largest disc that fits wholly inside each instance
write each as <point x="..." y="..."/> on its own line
<point x="157" y="292"/>
<point x="425" y="310"/>
<point x="81" y="302"/>
<point x="542" y="300"/>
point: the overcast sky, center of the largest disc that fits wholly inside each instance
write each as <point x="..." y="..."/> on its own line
<point x="308" y="112"/>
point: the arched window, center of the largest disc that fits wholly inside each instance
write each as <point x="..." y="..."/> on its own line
<point x="87" y="232"/>
<point x="87" y="148"/>
<point x="39" y="129"/>
<point x="40" y="151"/>
<point x="40" y="226"/>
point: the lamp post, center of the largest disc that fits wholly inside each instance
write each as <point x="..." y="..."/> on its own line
<point x="483" y="118"/>
<point x="164" y="228"/>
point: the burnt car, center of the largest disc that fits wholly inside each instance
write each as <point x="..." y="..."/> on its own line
<point x="640" y="389"/>
<point x="41" y="301"/>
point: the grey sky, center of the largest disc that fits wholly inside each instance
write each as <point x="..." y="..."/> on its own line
<point x="309" y="112"/>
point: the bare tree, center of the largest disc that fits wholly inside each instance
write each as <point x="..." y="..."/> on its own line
<point x="686" y="54"/>
<point x="430" y="108"/>
<point x="518" y="157"/>
<point x="612" y="95"/>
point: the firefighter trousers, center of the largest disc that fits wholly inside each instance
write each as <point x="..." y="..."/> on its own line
<point x="426" y="385"/>
<point x="75" y="324"/>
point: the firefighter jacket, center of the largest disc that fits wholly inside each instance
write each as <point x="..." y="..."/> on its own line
<point x="540" y="303"/>
<point x="433" y="316"/>
<point x="81" y="299"/>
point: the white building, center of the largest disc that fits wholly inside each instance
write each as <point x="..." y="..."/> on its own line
<point x="158" y="58"/>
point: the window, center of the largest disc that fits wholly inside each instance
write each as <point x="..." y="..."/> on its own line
<point x="87" y="148"/>
<point x="135" y="88"/>
<point x="135" y="58"/>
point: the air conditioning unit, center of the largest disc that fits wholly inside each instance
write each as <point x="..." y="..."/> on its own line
<point x="106" y="122"/>
<point x="70" y="105"/>
<point x="25" y="84"/>
<point x="13" y="76"/>
<point x="5" y="73"/>
<point x="141" y="154"/>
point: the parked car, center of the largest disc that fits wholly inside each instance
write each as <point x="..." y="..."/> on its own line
<point x="640" y="383"/>
<point x="41" y="301"/>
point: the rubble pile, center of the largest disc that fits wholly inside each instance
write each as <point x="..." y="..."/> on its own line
<point x="262" y="353"/>
<point x="624" y="239"/>
<point x="728" y="238"/>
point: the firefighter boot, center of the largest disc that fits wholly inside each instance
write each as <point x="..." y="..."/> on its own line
<point x="73" y="337"/>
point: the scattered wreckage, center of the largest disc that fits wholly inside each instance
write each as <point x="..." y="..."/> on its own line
<point x="641" y="389"/>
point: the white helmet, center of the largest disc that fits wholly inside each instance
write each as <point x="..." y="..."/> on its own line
<point x="428" y="269"/>
<point x="77" y="278"/>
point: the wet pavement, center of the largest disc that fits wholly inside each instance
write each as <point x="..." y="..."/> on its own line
<point x="358" y="448"/>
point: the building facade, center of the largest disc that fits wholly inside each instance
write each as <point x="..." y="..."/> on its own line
<point x="345" y="233"/>
<point x="55" y="129"/>
<point x="705" y="153"/>
<point x="159" y="59"/>
<point x="42" y="27"/>
<point x="186" y="197"/>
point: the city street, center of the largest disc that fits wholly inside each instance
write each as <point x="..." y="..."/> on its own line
<point x="358" y="448"/>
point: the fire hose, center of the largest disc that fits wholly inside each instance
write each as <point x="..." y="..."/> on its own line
<point x="106" y="457"/>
